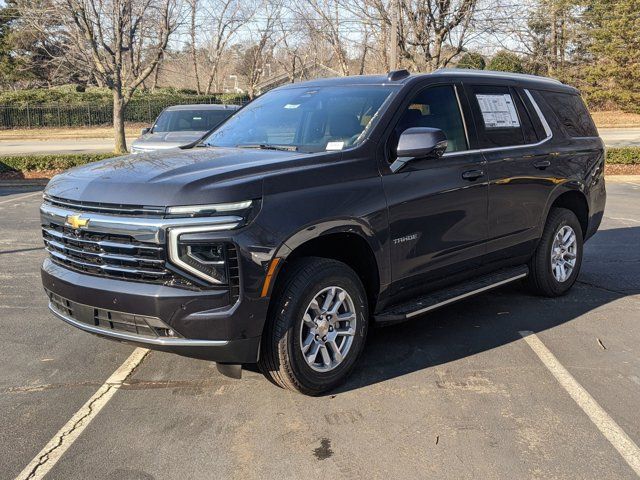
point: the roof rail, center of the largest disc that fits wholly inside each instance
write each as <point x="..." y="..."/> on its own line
<point x="494" y="74"/>
<point x="395" y="75"/>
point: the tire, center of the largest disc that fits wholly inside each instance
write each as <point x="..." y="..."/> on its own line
<point x="286" y="333"/>
<point x="544" y="279"/>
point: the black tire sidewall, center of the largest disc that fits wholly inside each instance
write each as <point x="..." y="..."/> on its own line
<point x="565" y="218"/>
<point x="337" y="276"/>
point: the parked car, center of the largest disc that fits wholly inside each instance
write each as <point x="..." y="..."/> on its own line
<point x="181" y="125"/>
<point x="325" y="207"/>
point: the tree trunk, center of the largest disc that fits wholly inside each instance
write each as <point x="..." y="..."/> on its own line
<point x="118" y="123"/>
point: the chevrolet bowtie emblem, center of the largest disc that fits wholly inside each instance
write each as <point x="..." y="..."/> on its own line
<point x="75" y="222"/>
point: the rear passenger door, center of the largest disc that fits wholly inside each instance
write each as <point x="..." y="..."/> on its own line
<point x="513" y="137"/>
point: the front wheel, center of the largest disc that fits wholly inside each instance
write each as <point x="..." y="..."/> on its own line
<point x="316" y="328"/>
<point x="555" y="265"/>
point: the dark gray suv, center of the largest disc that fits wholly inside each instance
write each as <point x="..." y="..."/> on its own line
<point x="325" y="207"/>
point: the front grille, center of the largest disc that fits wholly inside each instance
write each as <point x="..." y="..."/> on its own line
<point x="115" y="256"/>
<point x="110" y="320"/>
<point x="124" y="248"/>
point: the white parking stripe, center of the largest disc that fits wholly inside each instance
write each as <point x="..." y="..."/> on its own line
<point x="51" y="453"/>
<point x="607" y="426"/>
<point x="17" y="199"/>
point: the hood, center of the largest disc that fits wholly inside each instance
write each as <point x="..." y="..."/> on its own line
<point x="177" y="177"/>
<point x="162" y="140"/>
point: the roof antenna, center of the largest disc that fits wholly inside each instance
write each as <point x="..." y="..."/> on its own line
<point x="395" y="75"/>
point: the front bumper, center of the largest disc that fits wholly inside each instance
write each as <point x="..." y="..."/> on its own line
<point x="220" y="323"/>
<point x="217" y="334"/>
<point x="223" y="351"/>
<point x="206" y="326"/>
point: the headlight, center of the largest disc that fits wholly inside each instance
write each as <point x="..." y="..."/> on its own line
<point x="207" y="260"/>
<point x="197" y="210"/>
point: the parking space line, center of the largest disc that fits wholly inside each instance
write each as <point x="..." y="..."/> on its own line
<point x="17" y="199"/>
<point x="607" y="426"/>
<point x="69" y="433"/>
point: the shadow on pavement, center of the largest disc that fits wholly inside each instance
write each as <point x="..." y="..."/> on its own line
<point x="494" y="319"/>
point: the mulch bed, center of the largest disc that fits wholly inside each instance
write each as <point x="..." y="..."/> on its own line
<point x="621" y="169"/>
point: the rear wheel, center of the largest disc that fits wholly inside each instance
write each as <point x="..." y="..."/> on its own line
<point x="316" y="327"/>
<point x="556" y="262"/>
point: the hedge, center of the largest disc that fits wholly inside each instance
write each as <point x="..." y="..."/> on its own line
<point x="25" y="163"/>
<point x="69" y="94"/>
<point x="623" y="155"/>
<point x="617" y="155"/>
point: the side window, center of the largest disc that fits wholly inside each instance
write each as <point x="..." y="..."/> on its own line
<point x="529" y="132"/>
<point x="436" y="107"/>
<point x="533" y="114"/>
<point x="572" y="113"/>
<point x="497" y="117"/>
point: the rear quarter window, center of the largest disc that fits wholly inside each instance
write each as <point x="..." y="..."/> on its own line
<point x="572" y="113"/>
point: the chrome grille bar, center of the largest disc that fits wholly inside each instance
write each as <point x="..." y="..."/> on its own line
<point x="100" y="243"/>
<point x="102" y="256"/>
<point x="108" y="268"/>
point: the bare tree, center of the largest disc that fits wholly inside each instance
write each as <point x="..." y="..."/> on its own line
<point x="290" y="49"/>
<point x="222" y="20"/>
<point x="118" y="41"/>
<point x="262" y="35"/>
<point x="325" y="18"/>
<point x="193" y="27"/>
<point x="431" y="33"/>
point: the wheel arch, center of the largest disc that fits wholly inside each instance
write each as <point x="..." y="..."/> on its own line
<point x="349" y="243"/>
<point x="571" y="197"/>
<point x="575" y="201"/>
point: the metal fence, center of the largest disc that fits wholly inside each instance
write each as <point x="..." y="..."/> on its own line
<point x="88" y="115"/>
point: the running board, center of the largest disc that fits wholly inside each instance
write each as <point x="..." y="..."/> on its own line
<point x="445" y="296"/>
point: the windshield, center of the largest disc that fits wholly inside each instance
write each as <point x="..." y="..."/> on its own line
<point x="305" y="119"/>
<point x="190" y="120"/>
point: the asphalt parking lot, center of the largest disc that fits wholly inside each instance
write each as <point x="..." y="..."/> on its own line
<point x="455" y="394"/>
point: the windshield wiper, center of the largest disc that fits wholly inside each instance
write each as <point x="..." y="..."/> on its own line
<point x="267" y="146"/>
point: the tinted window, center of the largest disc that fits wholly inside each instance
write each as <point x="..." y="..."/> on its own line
<point x="533" y="114"/>
<point x="571" y="113"/>
<point x="497" y="119"/>
<point x="530" y="135"/>
<point x="306" y="119"/>
<point x="436" y="107"/>
<point x="190" y="120"/>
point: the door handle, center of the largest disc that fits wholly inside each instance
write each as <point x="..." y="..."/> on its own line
<point x="542" y="164"/>
<point x="472" y="175"/>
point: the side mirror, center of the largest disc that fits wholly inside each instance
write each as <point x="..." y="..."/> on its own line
<point x="419" y="143"/>
<point x="144" y="131"/>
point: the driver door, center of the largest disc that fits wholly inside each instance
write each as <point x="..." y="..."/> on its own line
<point x="437" y="207"/>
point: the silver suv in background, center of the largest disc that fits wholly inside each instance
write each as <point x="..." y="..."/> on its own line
<point x="181" y="125"/>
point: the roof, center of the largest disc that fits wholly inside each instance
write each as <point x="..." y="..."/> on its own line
<point x="530" y="80"/>
<point x="203" y="106"/>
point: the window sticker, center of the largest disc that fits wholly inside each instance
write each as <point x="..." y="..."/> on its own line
<point x="290" y="106"/>
<point x="498" y="111"/>
<point x="334" y="146"/>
